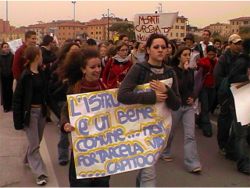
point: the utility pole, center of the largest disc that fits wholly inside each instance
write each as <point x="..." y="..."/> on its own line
<point x="109" y="15"/>
<point x="160" y="8"/>
<point x="74" y="17"/>
<point x="6" y="21"/>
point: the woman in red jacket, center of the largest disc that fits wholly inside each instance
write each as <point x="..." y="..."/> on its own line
<point x="208" y="91"/>
<point x="117" y="67"/>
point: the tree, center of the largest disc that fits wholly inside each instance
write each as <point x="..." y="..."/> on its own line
<point x="124" y="28"/>
<point x="245" y="32"/>
<point x="217" y="35"/>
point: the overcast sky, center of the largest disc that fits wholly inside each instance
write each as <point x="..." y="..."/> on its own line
<point x="199" y="13"/>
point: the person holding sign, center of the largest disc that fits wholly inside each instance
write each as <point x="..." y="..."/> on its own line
<point x="83" y="69"/>
<point x="117" y="67"/>
<point x="186" y="113"/>
<point x="151" y="71"/>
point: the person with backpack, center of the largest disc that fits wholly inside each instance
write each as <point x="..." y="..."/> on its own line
<point x="150" y="71"/>
<point x="221" y="73"/>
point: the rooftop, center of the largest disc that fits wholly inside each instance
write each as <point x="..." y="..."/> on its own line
<point x="241" y="19"/>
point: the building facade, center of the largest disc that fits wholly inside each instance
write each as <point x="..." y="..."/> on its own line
<point x="236" y="23"/>
<point x="222" y="28"/>
<point x="179" y="29"/>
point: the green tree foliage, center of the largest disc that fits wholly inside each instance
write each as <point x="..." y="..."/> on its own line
<point x="217" y="35"/>
<point x="124" y="28"/>
<point x="245" y="32"/>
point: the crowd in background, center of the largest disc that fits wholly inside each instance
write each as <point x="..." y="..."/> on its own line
<point x="36" y="79"/>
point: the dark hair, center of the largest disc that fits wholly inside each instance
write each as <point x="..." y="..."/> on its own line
<point x="175" y="61"/>
<point x="150" y="40"/>
<point x="4" y="44"/>
<point x="206" y="30"/>
<point x="133" y="40"/>
<point x="91" y="42"/>
<point x="137" y="44"/>
<point x="119" y="45"/>
<point x="65" y="49"/>
<point x="73" y="63"/>
<point x="153" y="37"/>
<point x="102" y="44"/>
<point x="122" y="36"/>
<point x="246" y="45"/>
<point x="47" y="39"/>
<point x="30" y="54"/>
<point x="173" y="45"/>
<point x="111" y="51"/>
<point x="29" y="33"/>
<point x="110" y="41"/>
<point x="217" y="40"/>
<point x="211" y="48"/>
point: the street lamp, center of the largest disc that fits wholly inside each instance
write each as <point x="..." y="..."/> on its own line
<point x="7" y="19"/>
<point x="109" y="15"/>
<point x="74" y="14"/>
<point x="160" y="7"/>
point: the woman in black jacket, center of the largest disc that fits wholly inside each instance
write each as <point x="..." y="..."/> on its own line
<point x="185" y="114"/>
<point x="29" y="110"/>
<point x="6" y="59"/>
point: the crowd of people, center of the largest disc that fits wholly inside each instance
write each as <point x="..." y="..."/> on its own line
<point x="36" y="79"/>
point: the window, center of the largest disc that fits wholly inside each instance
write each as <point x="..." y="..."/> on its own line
<point x="183" y="21"/>
<point x="100" y="32"/>
<point x="182" y="34"/>
<point x="92" y="33"/>
<point x="182" y="27"/>
<point x="96" y="32"/>
<point x="245" y="22"/>
<point x="177" y="34"/>
<point x="171" y="34"/>
<point x="176" y="27"/>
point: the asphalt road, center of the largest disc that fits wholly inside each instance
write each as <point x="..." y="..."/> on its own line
<point x="217" y="171"/>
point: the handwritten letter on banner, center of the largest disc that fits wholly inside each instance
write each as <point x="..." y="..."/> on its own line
<point x="242" y="103"/>
<point x="146" y="24"/>
<point x="112" y="138"/>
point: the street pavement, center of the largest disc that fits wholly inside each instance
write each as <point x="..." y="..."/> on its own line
<point x="217" y="171"/>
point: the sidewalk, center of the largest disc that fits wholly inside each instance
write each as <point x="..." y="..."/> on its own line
<point x="13" y="145"/>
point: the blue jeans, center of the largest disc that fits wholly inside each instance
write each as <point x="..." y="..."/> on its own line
<point x="63" y="144"/>
<point x="34" y="133"/>
<point x="146" y="177"/>
<point x="185" y="114"/>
